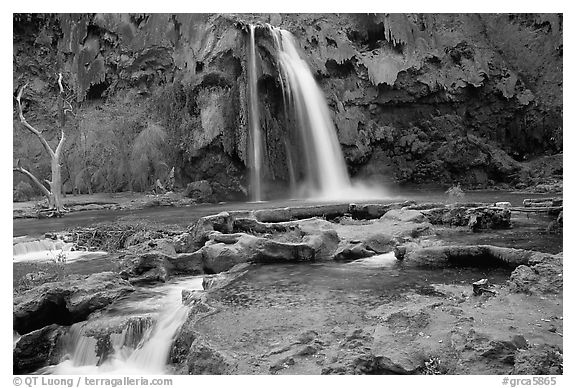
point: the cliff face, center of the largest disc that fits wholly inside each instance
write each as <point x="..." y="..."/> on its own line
<point x="415" y="98"/>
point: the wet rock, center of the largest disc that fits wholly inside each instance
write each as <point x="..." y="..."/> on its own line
<point x="353" y="251"/>
<point x="404" y="215"/>
<point x="541" y="275"/>
<point x="186" y="263"/>
<point x="367" y="363"/>
<point x="325" y="243"/>
<point x="447" y="215"/>
<point x="155" y="266"/>
<point x="183" y="243"/>
<point x="38" y="348"/>
<point x="488" y="218"/>
<point x="201" y="191"/>
<point x="193" y="297"/>
<point x="225" y="251"/>
<point x="68" y="301"/>
<point x="539" y="360"/>
<point x="250" y="225"/>
<point x="501" y="352"/>
<point x="204" y="359"/>
<point x="468" y="255"/>
<point x="296" y="213"/>
<point x="222" y="222"/>
<point x="220" y="280"/>
<point x="482" y="286"/>
<point x="148" y="267"/>
<point x="273" y="215"/>
<point x="373" y="211"/>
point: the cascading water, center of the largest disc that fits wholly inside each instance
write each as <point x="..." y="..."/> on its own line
<point x="47" y="250"/>
<point x="255" y="133"/>
<point x="326" y="173"/>
<point x="142" y="347"/>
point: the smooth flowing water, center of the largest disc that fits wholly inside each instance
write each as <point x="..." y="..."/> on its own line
<point x="47" y="250"/>
<point x="150" y="318"/>
<point x="326" y="174"/>
<point x="255" y="132"/>
<point x="325" y="166"/>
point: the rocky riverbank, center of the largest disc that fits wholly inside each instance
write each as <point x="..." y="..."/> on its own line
<point x="332" y="289"/>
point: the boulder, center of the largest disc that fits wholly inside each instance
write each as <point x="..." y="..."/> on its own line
<point x="183" y="243"/>
<point x="204" y="359"/>
<point x="372" y="211"/>
<point x="541" y="359"/>
<point x="324" y="243"/>
<point x="404" y="215"/>
<point x="201" y="191"/>
<point x="155" y="266"/>
<point x="353" y="251"/>
<point x="68" y="301"/>
<point x="488" y="218"/>
<point x="541" y="275"/>
<point x="186" y="264"/>
<point x="198" y="233"/>
<point x="448" y="215"/>
<point x="149" y="267"/>
<point x="222" y="252"/>
<point x="251" y="225"/>
<point x="38" y="349"/>
<point x="298" y="213"/>
<point x="220" y="280"/>
<point x="475" y="217"/>
<point x="468" y="255"/>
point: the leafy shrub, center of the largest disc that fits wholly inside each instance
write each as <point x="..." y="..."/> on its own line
<point x="455" y="194"/>
<point x="23" y="192"/>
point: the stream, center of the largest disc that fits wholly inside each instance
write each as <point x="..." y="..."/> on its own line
<point x="142" y="326"/>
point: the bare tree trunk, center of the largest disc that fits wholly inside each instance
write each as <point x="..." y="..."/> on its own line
<point x="55" y="193"/>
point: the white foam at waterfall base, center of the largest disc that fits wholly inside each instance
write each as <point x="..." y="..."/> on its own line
<point x="151" y="353"/>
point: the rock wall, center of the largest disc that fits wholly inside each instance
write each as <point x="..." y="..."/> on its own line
<point x="415" y="97"/>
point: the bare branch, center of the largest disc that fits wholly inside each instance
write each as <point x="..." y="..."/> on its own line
<point x="22" y="170"/>
<point x="29" y="127"/>
<point x="60" y="145"/>
<point x="60" y="83"/>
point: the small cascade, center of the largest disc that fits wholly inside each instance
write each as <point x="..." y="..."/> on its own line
<point x="255" y="132"/>
<point x="142" y="347"/>
<point x="44" y="245"/>
<point x="49" y="250"/>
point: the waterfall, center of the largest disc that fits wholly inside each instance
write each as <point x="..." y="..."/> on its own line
<point x="255" y="133"/>
<point x="48" y="250"/>
<point x="142" y="347"/>
<point x="326" y="172"/>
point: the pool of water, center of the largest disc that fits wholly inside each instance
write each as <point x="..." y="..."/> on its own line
<point x="184" y="216"/>
<point x="365" y="282"/>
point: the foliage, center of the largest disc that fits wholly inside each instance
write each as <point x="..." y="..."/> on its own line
<point x="176" y="105"/>
<point x="147" y="157"/>
<point x="23" y="192"/>
<point x="115" y="148"/>
<point x="455" y="193"/>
